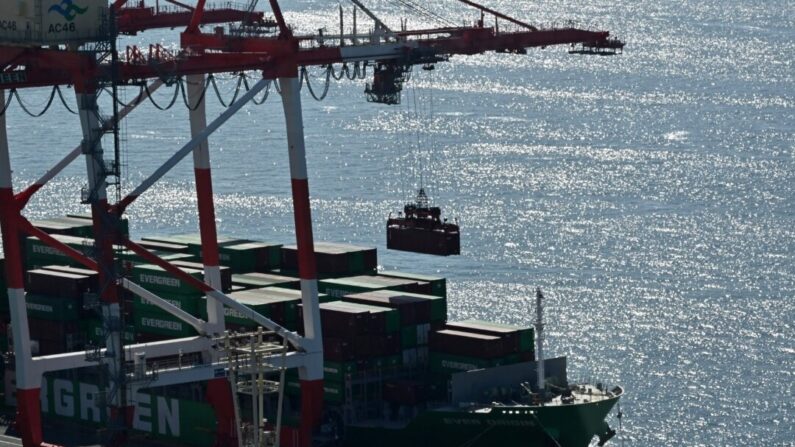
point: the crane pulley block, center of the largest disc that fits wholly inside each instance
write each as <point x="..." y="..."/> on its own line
<point x="387" y="84"/>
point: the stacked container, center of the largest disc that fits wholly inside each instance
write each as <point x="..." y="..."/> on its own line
<point x="251" y="256"/>
<point x="334" y="260"/>
<point x="150" y="319"/>
<point x="418" y="315"/>
<point x="474" y="344"/>
<point x="357" y="339"/>
<point x="257" y="280"/>
<point x="437" y="284"/>
<point x="54" y="301"/>
<point x="340" y="287"/>
<point x="276" y="303"/>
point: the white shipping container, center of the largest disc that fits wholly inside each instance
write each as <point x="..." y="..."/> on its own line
<point x="47" y="22"/>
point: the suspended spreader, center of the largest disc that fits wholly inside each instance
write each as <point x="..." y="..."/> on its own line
<point x="420" y="229"/>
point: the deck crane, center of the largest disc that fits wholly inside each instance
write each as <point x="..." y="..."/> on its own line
<point x="279" y="57"/>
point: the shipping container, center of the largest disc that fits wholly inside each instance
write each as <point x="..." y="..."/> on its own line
<point x="436" y="284"/>
<point x="340" y="287"/>
<point x="380" y="320"/>
<point x="278" y="304"/>
<point x="73" y="228"/>
<point x="195" y="305"/>
<point x="48" y="22"/>
<point x="251" y="257"/>
<point x="226" y="273"/>
<point x="162" y="325"/>
<point x="154" y="278"/>
<point x="338" y="371"/>
<point x="334" y="260"/>
<point x="92" y="275"/>
<point x="256" y="280"/>
<point x="58" y="284"/>
<point x="443" y="363"/>
<point x="52" y="308"/>
<point x="163" y="246"/>
<point x="194" y="241"/>
<point x="38" y="253"/>
<point x="414" y="308"/>
<point x="124" y="223"/>
<point x="469" y="344"/>
<point x="521" y="339"/>
<point x="96" y="333"/>
<point x="405" y="392"/>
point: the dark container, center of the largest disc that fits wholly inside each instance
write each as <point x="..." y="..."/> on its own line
<point x="338" y="349"/>
<point x="341" y="322"/>
<point x="92" y="275"/>
<point x="251" y="256"/>
<point x="226" y="272"/>
<point x="255" y="280"/>
<point x="57" y="284"/>
<point x="334" y="259"/>
<point x="163" y="246"/>
<point x="468" y="344"/>
<point x="441" y="239"/>
<point x="405" y="392"/>
<point x="385" y="344"/>
<point x="519" y="338"/>
<point x="413" y="309"/>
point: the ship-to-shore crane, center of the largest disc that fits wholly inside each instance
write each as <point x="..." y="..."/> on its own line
<point x="270" y="47"/>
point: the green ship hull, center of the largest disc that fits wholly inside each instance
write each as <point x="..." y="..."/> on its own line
<point x="566" y="425"/>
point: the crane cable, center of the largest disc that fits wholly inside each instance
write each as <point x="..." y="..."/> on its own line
<point x="359" y="72"/>
<point x="421" y="10"/>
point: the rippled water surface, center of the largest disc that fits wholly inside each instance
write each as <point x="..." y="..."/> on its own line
<point x="651" y="195"/>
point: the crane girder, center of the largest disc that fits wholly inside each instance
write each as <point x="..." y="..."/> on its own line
<point x="276" y="56"/>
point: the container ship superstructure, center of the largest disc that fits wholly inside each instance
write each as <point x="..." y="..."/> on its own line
<point x="200" y="340"/>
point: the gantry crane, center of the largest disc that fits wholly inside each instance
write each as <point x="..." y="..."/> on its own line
<point x="278" y="53"/>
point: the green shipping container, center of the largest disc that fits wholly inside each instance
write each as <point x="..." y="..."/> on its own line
<point x="251" y="256"/>
<point x="441" y="363"/>
<point x="158" y="324"/>
<point x="195" y="305"/>
<point x="152" y="277"/>
<point x="38" y="254"/>
<point x="194" y="241"/>
<point x="96" y="334"/>
<point x="438" y="284"/>
<point x="408" y="337"/>
<point x="338" y="370"/>
<point x="258" y="280"/>
<point x="52" y="308"/>
<point x="340" y="287"/>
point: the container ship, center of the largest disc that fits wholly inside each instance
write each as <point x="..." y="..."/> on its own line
<point x="200" y="340"/>
<point x="396" y="371"/>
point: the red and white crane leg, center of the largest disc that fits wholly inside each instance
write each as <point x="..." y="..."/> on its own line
<point x="219" y="391"/>
<point x="28" y="378"/>
<point x="311" y="374"/>
<point x="204" y="193"/>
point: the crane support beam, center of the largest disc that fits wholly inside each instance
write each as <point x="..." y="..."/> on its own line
<point x="31" y="67"/>
<point x="77" y="359"/>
